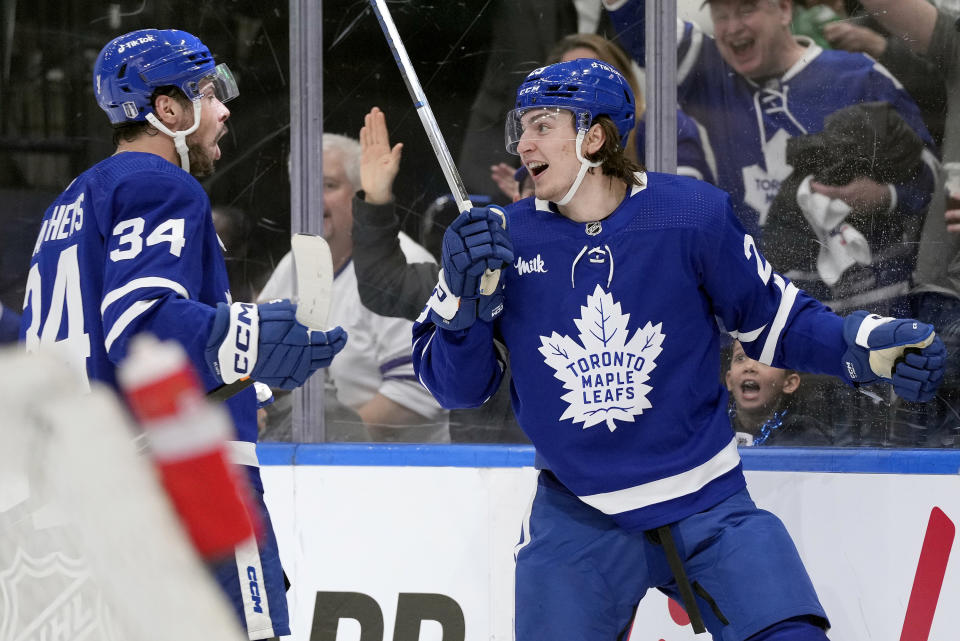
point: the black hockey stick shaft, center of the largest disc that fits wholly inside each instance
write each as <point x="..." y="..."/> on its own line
<point x="225" y="391"/>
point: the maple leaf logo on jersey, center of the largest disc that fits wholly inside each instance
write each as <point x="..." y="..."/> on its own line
<point x="760" y="186"/>
<point x="605" y="373"/>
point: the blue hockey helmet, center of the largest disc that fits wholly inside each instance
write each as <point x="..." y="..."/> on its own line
<point x="130" y="67"/>
<point x="586" y="87"/>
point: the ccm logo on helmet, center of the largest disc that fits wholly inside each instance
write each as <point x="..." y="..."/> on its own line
<point x="133" y="43"/>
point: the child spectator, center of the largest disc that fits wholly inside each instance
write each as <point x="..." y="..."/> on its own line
<point x="764" y="409"/>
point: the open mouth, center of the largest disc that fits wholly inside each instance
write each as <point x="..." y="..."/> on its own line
<point x="740" y="47"/>
<point x="216" y="142"/>
<point x="535" y="167"/>
<point x="750" y="389"/>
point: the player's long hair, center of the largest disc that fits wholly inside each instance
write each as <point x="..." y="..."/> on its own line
<point x="616" y="160"/>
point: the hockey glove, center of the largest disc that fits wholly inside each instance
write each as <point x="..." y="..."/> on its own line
<point x="473" y="243"/>
<point x="266" y="343"/>
<point x="903" y="351"/>
<point x="454" y="313"/>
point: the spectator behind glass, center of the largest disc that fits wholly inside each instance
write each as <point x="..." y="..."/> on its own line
<point x="694" y="158"/>
<point x="932" y="32"/>
<point x="390" y="285"/>
<point x="375" y="373"/>
<point x="763" y="409"/>
<point x="852" y="29"/>
<point x="754" y="86"/>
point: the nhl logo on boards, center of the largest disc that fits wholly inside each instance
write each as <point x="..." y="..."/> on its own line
<point x="594" y="228"/>
<point x="73" y="606"/>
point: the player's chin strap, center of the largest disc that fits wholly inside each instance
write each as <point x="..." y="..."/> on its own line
<point x="584" y="166"/>
<point x="180" y="137"/>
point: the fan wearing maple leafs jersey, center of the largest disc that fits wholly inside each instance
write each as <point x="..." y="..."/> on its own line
<point x="753" y="87"/>
<point x="753" y="97"/>
<point x="615" y="289"/>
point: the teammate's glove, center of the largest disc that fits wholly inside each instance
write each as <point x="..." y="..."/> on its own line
<point x="473" y="243"/>
<point x="266" y="343"/>
<point x="902" y="351"/>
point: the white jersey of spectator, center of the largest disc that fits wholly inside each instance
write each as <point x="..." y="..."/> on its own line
<point x="378" y="356"/>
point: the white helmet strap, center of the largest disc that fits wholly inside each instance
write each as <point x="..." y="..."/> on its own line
<point x="584" y="166"/>
<point x="180" y="137"/>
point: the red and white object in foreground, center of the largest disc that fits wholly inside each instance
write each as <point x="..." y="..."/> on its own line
<point x="90" y="547"/>
<point x="188" y="443"/>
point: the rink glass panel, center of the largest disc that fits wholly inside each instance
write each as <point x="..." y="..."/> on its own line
<point x="51" y="130"/>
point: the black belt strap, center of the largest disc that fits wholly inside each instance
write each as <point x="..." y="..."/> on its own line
<point x="665" y="536"/>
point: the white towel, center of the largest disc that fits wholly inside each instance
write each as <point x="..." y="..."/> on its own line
<point x="841" y="246"/>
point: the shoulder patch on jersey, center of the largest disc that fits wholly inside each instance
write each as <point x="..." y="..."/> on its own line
<point x="604" y="373"/>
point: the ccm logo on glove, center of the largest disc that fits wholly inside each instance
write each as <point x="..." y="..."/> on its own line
<point x="237" y="355"/>
<point x="241" y="363"/>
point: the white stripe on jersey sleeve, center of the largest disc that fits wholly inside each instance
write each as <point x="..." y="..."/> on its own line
<point x="141" y="283"/>
<point x="787" y="299"/>
<point x="426" y="348"/>
<point x="125" y="319"/>
<point x="666" y="489"/>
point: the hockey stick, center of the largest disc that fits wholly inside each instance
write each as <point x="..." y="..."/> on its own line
<point x="313" y="266"/>
<point x="491" y="276"/>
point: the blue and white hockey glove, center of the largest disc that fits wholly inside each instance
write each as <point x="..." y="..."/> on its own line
<point x="266" y="343"/>
<point x="902" y="351"/>
<point x="474" y="242"/>
<point x="454" y="313"/>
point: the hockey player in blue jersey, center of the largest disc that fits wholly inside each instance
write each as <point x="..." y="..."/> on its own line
<point x="615" y="289"/>
<point x="130" y="247"/>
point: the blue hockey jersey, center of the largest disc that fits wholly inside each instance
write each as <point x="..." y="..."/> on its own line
<point x="749" y="123"/>
<point x="129" y="247"/>
<point x="613" y="330"/>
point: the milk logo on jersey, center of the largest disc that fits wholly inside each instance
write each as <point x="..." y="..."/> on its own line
<point x="760" y="186"/>
<point x="606" y="371"/>
<point x="530" y="266"/>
